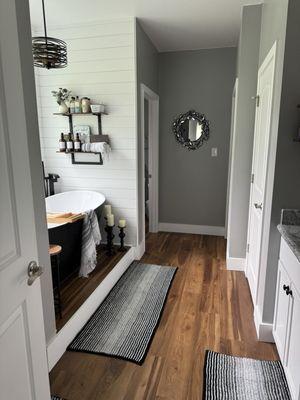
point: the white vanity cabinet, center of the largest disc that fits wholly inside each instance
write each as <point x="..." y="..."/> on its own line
<point x="286" y="328"/>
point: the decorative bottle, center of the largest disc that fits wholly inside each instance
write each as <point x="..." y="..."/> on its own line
<point x="62" y="143"/>
<point x="70" y="144"/>
<point x="72" y="105"/>
<point x="77" y="105"/>
<point x="77" y="143"/>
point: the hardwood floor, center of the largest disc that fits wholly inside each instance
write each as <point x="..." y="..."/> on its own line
<point x="208" y="307"/>
<point x="77" y="290"/>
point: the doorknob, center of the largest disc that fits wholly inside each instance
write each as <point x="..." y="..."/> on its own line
<point x="258" y="206"/>
<point x="33" y="271"/>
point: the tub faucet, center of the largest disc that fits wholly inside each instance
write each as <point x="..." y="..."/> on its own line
<point x="52" y="178"/>
<point x="49" y="182"/>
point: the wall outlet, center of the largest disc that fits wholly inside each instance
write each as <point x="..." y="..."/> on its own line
<point x="214" y="152"/>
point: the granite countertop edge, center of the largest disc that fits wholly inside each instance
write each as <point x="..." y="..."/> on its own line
<point x="288" y="234"/>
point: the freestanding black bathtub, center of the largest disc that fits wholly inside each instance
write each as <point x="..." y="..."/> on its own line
<point x="69" y="235"/>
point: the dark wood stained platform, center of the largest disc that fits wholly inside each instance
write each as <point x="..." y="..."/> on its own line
<point x="208" y="307"/>
<point x="76" y="290"/>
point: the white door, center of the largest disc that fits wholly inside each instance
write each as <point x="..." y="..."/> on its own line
<point x="259" y="168"/>
<point x="23" y="361"/>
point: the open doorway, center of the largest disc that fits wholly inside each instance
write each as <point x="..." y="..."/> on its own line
<point x="150" y="146"/>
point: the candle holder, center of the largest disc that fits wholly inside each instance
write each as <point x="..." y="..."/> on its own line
<point x="110" y="237"/>
<point x="122" y="236"/>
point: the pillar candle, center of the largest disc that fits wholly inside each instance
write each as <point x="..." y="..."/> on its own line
<point x="122" y="223"/>
<point x="107" y="209"/>
<point x="110" y="219"/>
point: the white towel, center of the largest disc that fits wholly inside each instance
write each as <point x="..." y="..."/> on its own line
<point x="91" y="238"/>
<point x="101" y="147"/>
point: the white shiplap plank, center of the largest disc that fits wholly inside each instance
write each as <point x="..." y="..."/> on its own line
<point x="91" y="29"/>
<point x="93" y="67"/>
<point x="91" y="78"/>
<point x="104" y="88"/>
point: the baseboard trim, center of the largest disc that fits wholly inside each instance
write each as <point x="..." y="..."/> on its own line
<point x="60" y="342"/>
<point x="195" y="229"/>
<point x="235" y="264"/>
<point x="264" y="330"/>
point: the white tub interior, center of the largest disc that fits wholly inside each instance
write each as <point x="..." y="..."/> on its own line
<point x="76" y="201"/>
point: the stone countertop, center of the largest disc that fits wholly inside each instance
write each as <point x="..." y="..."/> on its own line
<point x="289" y="229"/>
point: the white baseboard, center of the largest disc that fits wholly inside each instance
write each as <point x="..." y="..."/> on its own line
<point x="60" y="342"/>
<point x="235" y="264"/>
<point x="196" y="229"/>
<point x="264" y="330"/>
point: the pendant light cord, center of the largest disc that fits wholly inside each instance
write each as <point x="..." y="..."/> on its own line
<point x="44" y="17"/>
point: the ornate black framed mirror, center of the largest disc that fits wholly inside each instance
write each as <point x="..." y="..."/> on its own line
<point x="191" y="129"/>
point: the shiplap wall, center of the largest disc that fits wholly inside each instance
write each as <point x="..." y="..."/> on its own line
<point x="101" y="65"/>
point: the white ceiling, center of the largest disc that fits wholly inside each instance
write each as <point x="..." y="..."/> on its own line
<point x="171" y="24"/>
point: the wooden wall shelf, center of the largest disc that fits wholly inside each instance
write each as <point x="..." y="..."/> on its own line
<point x="70" y="117"/>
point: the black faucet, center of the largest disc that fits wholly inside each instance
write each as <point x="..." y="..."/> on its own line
<point x="49" y="182"/>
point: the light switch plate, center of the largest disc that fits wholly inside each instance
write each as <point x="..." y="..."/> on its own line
<point x="214" y="152"/>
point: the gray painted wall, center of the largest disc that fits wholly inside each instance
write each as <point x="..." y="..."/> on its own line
<point x="192" y="183"/>
<point x="242" y="142"/>
<point x="147" y="73"/>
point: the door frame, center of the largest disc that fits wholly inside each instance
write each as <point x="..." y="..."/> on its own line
<point x="231" y="163"/>
<point x="153" y="100"/>
<point x="268" y="191"/>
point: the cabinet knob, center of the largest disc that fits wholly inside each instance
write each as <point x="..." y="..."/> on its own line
<point x="287" y="290"/>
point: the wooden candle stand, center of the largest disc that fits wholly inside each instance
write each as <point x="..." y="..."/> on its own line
<point x="110" y="237"/>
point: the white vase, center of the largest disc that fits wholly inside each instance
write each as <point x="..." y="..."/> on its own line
<point x="63" y="108"/>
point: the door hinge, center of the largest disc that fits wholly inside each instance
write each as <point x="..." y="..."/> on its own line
<point x="257" y="99"/>
<point x="252" y="178"/>
<point x="248" y="246"/>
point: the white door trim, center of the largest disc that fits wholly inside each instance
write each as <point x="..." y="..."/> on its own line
<point x="231" y="162"/>
<point x="267" y="199"/>
<point x="153" y="99"/>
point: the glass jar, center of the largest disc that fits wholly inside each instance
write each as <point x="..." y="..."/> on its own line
<point x="85" y="105"/>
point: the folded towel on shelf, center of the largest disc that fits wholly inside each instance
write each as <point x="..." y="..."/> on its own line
<point x="98" y="147"/>
<point x="91" y="238"/>
<point x="101" y="147"/>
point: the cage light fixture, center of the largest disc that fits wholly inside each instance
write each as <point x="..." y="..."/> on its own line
<point x="48" y="52"/>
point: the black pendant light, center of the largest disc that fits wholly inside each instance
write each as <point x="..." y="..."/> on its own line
<point x="49" y="52"/>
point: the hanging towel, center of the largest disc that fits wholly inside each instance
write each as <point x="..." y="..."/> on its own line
<point x="91" y="238"/>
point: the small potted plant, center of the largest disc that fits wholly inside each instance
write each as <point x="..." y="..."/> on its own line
<point x="61" y="96"/>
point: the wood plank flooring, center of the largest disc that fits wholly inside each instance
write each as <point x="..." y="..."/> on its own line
<point x="208" y="307"/>
<point x="77" y="290"/>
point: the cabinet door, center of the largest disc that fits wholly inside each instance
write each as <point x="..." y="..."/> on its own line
<point x="293" y="344"/>
<point x="281" y="311"/>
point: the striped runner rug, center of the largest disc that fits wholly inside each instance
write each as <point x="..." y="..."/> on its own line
<point x="236" y="378"/>
<point x="56" y="398"/>
<point x="125" y="322"/>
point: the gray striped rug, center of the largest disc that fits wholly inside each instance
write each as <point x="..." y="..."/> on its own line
<point x="236" y="378"/>
<point x="124" y="323"/>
